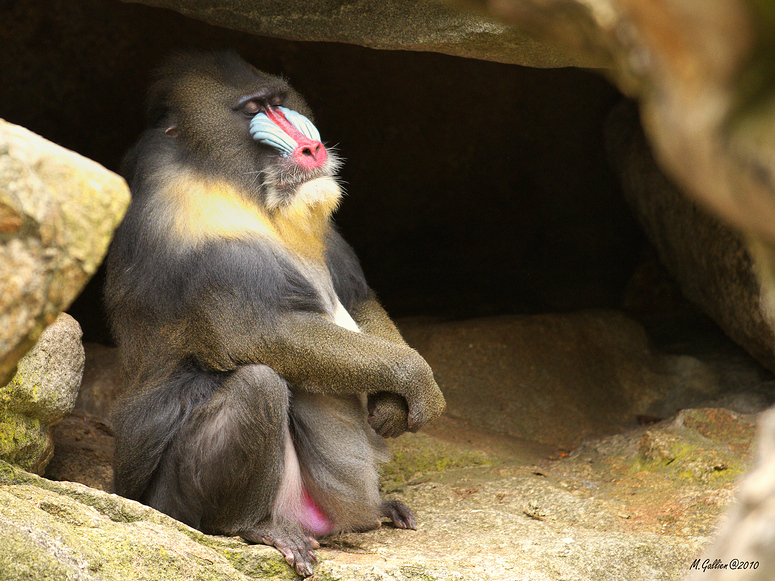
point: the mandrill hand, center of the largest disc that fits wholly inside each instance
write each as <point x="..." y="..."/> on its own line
<point x="388" y="414"/>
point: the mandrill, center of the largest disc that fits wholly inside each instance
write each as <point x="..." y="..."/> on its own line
<point x="262" y="374"/>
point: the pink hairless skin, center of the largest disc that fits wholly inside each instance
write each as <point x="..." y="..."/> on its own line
<point x="313" y="518"/>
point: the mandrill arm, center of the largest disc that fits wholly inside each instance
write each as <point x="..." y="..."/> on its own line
<point x="373" y="319"/>
<point x="388" y="412"/>
<point x="318" y="356"/>
<point x="403" y="393"/>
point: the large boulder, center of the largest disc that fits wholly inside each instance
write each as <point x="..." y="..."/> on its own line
<point x="561" y="379"/>
<point x="58" y="211"/>
<point x="394" y="24"/>
<point x="709" y="260"/>
<point x="54" y="530"/>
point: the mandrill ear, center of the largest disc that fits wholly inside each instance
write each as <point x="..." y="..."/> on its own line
<point x="172" y="131"/>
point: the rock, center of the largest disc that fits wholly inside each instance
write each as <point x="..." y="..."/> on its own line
<point x="703" y="445"/>
<point x="64" y="530"/>
<point x="745" y="545"/>
<point x="24" y="441"/>
<point x="42" y="393"/>
<point x="393" y="24"/>
<point x="675" y="477"/>
<point x="58" y="211"/>
<point x="558" y="379"/>
<point x="48" y="378"/>
<point x="709" y="260"/>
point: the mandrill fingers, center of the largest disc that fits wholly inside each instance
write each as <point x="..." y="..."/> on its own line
<point x="388" y="414"/>
<point x="399" y="514"/>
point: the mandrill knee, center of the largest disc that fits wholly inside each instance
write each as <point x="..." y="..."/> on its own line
<point x="250" y="405"/>
<point x="264" y="394"/>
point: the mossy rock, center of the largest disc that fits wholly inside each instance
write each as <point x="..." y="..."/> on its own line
<point x="707" y="445"/>
<point x="63" y="530"/>
<point x="24" y="441"/>
<point x="415" y="456"/>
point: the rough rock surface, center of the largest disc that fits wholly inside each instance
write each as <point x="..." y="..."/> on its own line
<point x="58" y="211"/>
<point x="67" y="531"/>
<point x="594" y="369"/>
<point x="42" y="393"/>
<point x="745" y="545"/>
<point x="709" y="260"/>
<point x="393" y="24"/>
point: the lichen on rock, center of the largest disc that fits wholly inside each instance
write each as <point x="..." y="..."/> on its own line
<point x="42" y="393"/>
<point x="58" y="211"/>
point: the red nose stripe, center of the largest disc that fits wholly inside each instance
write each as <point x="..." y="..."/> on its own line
<point x="309" y="153"/>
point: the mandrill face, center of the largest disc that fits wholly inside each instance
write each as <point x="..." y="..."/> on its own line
<point x="298" y="154"/>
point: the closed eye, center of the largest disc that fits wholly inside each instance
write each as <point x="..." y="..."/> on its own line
<point x="251" y="108"/>
<point x="252" y="104"/>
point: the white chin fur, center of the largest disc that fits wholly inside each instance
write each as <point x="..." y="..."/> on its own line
<point x="319" y="191"/>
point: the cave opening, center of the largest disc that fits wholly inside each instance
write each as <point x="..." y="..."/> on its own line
<point x="473" y="188"/>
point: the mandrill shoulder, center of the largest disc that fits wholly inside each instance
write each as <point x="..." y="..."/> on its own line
<point x="192" y="210"/>
<point x="180" y="205"/>
<point x="196" y="210"/>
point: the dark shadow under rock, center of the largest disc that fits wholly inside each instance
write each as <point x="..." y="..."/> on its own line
<point x="83" y="452"/>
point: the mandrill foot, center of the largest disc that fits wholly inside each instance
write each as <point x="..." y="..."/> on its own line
<point x="294" y="544"/>
<point x="399" y="514"/>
